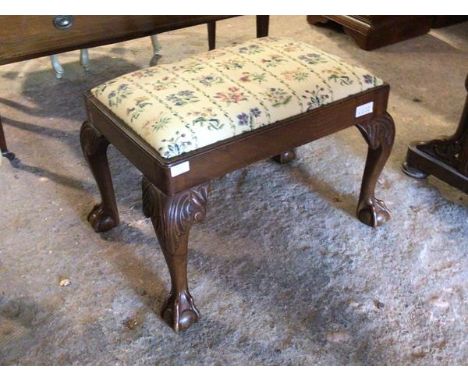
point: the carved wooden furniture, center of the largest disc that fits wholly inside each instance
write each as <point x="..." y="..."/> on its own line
<point x="187" y="123"/>
<point x="441" y="21"/>
<point x="445" y="158"/>
<point x="27" y="37"/>
<point x="371" y="32"/>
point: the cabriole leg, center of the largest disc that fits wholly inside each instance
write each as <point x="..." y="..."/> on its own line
<point x="172" y="217"/>
<point x="103" y="216"/>
<point x="379" y="134"/>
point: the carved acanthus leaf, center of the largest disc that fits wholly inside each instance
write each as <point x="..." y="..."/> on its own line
<point x="91" y="139"/>
<point x="172" y="215"/>
<point x="378" y="131"/>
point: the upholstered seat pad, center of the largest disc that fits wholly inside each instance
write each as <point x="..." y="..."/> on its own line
<point x="226" y="92"/>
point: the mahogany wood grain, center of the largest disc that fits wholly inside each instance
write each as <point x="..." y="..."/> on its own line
<point x="372" y="32"/>
<point x="26" y="37"/>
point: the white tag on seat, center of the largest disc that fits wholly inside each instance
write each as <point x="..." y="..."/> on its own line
<point x="180" y="168"/>
<point x="367" y="108"/>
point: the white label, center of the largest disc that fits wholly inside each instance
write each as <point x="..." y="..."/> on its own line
<point x="367" y="108"/>
<point x="180" y="169"/>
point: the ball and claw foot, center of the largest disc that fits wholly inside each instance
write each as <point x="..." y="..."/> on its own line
<point x="285" y="157"/>
<point x="413" y="172"/>
<point x="373" y="212"/>
<point x="100" y="220"/>
<point x="180" y="311"/>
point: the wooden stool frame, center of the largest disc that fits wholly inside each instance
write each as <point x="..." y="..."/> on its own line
<point x="174" y="199"/>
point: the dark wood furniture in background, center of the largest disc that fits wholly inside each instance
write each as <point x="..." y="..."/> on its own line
<point x="27" y="37"/>
<point x="371" y="32"/>
<point x="446" y="20"/>
<point x="445" y="158"/>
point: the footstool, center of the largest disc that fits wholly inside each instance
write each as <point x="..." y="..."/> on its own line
<point x="186" y="123"/>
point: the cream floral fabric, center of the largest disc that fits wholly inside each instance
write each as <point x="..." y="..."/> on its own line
<point x="217" y="95"/>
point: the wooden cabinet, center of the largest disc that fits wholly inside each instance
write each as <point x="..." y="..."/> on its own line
<point x="25" y="37"/>
<point x="371" y="32"/>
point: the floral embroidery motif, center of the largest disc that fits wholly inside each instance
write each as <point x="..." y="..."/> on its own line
<point x="316" y="98"/>
<point x="277" y="96"/>
<point x="193" y="67"/>
<point x="183" y="97"/>
<point x="291" y="47"/>
<point x="206" y="118"/>
<point x="209" y="123"/>
<point x="273" y="61"/>
<point x="296" y="75"/>
<point x="210" y="79"/>
<point x="233" y="95"/>
<point x="216" y="95"/>
<point x="337" y="74"/>
<point x="176" y="145"/>
<point x="115" y="97"/>
<point x="370" y="79"/>
<point x="140" y="105"/>
<point x="152" y="126"/>
<point x="253" y="77"/>
<point x="245" y="119"/>
<point x="99" y="90"/>
<point x="160" y="123"/>
<point x="312" y="58"/>
<point x="251" y="49"/>
<point x="144" y="73"/>
<point x="255" y="112"/>
<point x="164" y="83"/>
<point x="231" y="64"/>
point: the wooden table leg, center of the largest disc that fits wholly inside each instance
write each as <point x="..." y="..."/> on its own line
<point x="446" y="159"/>
<point x="263" y="23"/>
<point x="211" y="35"/>
<point x="3" y="146"/>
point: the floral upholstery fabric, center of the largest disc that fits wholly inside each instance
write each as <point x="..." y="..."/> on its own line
<point x="217" y="95"/>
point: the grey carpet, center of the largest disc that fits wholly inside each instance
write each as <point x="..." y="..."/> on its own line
<point x="282" y="271"/>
